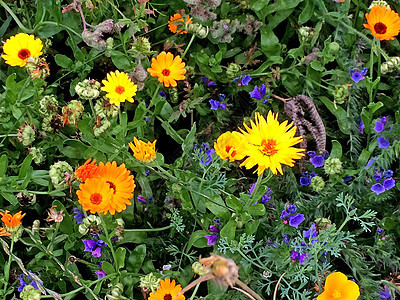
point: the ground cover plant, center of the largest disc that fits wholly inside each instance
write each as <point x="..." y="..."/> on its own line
<point x="199" y="149"/>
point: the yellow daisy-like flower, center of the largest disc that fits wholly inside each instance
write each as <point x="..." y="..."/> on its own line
<point x="121" y="183"/>
<point x="268" y="144"/>
<point x="338" y="287"/>
<point x="176" y="21"/>
<point x="145" y="152"/>
<point x="95" y="195"/>
<point x="383" y="22"/>
<point x="119" y="87"/>
<point x="167" y="68"/>
<point x="167" y="291"/>
<point x="226" y="145"/>
<point x="18" y="48"/>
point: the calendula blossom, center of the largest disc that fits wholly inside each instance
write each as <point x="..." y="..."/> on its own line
<point x="383" y="22"/>
<point x="145" y="152"/>
<point x="167" y="291"/>
<point x="19" y="48"/>
<point x="225" y="146"/>
<point x="167" y="68"/>
<point x="338" y="287"/>
<point x="176" y="21"/>
<point x="119" y="87"/>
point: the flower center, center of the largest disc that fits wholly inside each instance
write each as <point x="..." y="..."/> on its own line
<point x="166" y="72"/>
<point x="336" y="294"/>
<point x="268" y="147"/>
<point x="228" y="148"/>
<point x="24" y="54"/>
<point x="380" y="28"/>
<point x="168" y="297"/>
<point x="96" y="198"/>
<point x="119" y="89"/>
<point x="112" y="186"/>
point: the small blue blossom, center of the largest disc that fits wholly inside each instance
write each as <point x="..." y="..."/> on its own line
<point x="385" y="294"/>
<point x="388" y="183"/>
<point x="317" y="161"/>
<point x="303" y="259"/>
<point x="291" y="209"/>
<point x="221" y="97"/>
<point x="146" y="172"/>
<point x="245" y="80"/>
<point x="380" y="230"/>
<point x="361" y="126"/>
<point x="163" y="94"/>
<point x="215" y="105"/>
<point x="218" y="222"/>
<point x="211" y="239"/>
<point x="388" y="173"/>
<point x="383" y="143"/>
<point x="285" y="239"/>
<point x="208" y="81"/>
<point x="94" y="247"/>
<point x="79" y="216"/>
<point x="358" y="76"/>
<point x="284" y="214"/>
<point x="378" y="188"/>
<point x="347" y="178"/>
<point x="258" y="93"/>
<point x="214" y="228"/>
<point x="370" y="162"/>
<point x="296" y="220"/>
<point x="269" y="243"/>
<point x="207" y="159"/>
<point x="379" y="127"/>
<point x="378" y="176"/>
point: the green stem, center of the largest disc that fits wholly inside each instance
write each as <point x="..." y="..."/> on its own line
<point x="371" y="72"/>
<point x="258" y="183"/>
<point x="379" y="65"/>
<point x="249" y="260"/>
<point x="194" y="292"/>
<point x="39" y="25"/>
<point x="7" y="267"/>
<point x="50" y="246"/>
<point x="14" y="16"/>
<point x="391" y="284"/>
<point x="149" y="229"/>
<point x="109" y="243"/>
<point x="92" y="108"/>
<point x="154" y="95"/>
<point x="188" y="46"/>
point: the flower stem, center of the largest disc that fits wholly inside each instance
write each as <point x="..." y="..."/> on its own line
<point x="188" y="46"/>
<point x="7" y="267"/>
<point x="149" y="229"/>
<point x="194" y="292"/>
<point x="109" y="243"/>
<point x="14" y="16"/>
<point x="50" y="246"/>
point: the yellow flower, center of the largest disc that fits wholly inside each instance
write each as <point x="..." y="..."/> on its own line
<point x="167" y="68"/>
<point x="226" y="145"/>
<point x="18" y="48"/>
<point x="167" y="291"/>
<point x="119" y="87"/>
<point x="176" y="21"/>
<point x="383" y="22"/>
<point x="95" y="195"/>
<point x="338" y="287"/>
<point x="268" y="144"/>
<point x="145" y="152"/>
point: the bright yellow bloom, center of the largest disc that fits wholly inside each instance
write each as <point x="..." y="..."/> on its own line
<point x="338" y="287"/>
<point x="226" y="145"/>
<point x="167" y="291"/>
<point x="18" y="48"/>
<point x="167" y="68"/>
<point x="119" y="87"/>
<point x="268" y="144"/>
<point x="383" y="22"/>
<point x="145" y="152"/>
<point x="95" y="195"/>
<point x="12" y="221"/>
<point x="176" y="21"/>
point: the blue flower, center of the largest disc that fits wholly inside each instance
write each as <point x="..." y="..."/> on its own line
<point x="221" y="97"/>
<point x="258" y="93"/>
<point x="162" y="94"/>
<point x="380" y="230"/>
<point x="284" y="214"/>
<point x="141" y="199"/>
<point x="267" y="196"/>
<point x="94" y="247"/>
<point x="378" y="176"/>
<point x="379" y="127"/>
<point x="245" y="80"/>
<point x="218" y="222"/>
<point x="303" y="259"/>
<point x="347" y="178"/>
<point x="214" y="229"/>
<point x="100" y="274"/>
<point x="79" y="216"/>
<point x="317" y="161"/>
<point x="269" y="243"/>
<point x="361" y="126"/>
<point x="215" y="105"/>
<point x="358" y="76"/>
<point x="286" y="239"/>
<point x="304" y="181"/>
<point x="296" y="220"/>
<point x="383" y="120"/>
<point x="211" y="239"/>
<point x="388" y="173"/>
<point x="311" y="233"/>
<point x="385" y="295"/>
<point x="378" y="188"/>
<point x="291" y="209"/>
<point x="388" y="183"/>
<point x="208" y="81"/>
<point x="370" y="162"/>
<point x="383" y="143"/>
<point x="311" y="154"/>
<point x="146" y="172"/>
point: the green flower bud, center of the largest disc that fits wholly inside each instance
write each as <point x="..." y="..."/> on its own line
<point x="391" y="65"/>
<point x="333" y="166"/>
<point x="119" y="230"/>
<point x="30" y="293"/>
<point x="306" y="32"/>
<point x="59" y="172"/>
<point x="341" y="93"/>
<point x="141" y="45"/>
<point x="104" y="109"/>
<point x="173" y="93"/>
<point x="105" y="124"/>
<point x="334" y="47"/>
<point x="73" y="111"/>
<point x="48" y="105"/>
<point x="199" y="269"/>
<point x="233" y="71"/>
<point x="36" y="226"/>
<point x="323" y="223"/>
<point x="109" y="47"/>
<point x="150" y="282"/>
<point x="88" y="89"/>
<point x="317" y="184"/>
<point x="197" y="29"/>
<point x="37" y="155"/>
<point x="28" y="133"/>
<point x="379" y="3"/>
<point x="115" y="292"/>
<point x="83" y="229"/>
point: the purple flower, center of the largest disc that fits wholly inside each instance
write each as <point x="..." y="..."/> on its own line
<point x="211" y="239"/>
<point x="380" y="230"/>
<point x="245" y="80"/>
<point x="295" y="220"/>
<point x="378" y="176"/>
<point x="311" y="154"/>
<point x="384" y="120"/>
<point x="94" y="247"/>
<point x="357" y="76"/>
<point x="379" y="127"/>
<point x="206" y="159"/>
<point x="383" y="143"/>
<point x="286" y="239"/>
<point x="294" y="255"/>
<point x="89" y="245"/>
<point x="385" y="295"/>
<point x="304" y="181"/>
<point x="347" y="178"/>
<point x="218" y="222"/>
<point x="221" y="97"/>
<point x="303" y="259"/>
<point x="208" y="81"/>
<point x="96" y="252"/>
<point x="284" y="214"/>
<point x="21" y="282"/>
<point x="258" y="93"/>
<point x="269" y="243"/>
<point x="79" y="216"/>
<point x="291" y="209"/>
<point x="267" y="196"/>
<point x="370" y="162"/>
<point x="251" y="189"/>
<point x="361" y="127"/>
<point x="215" y="105"/>
<point x="214" y="228"/>
<point x="100" y="274"/>
<point x="141" y="199"/>
<point x="163" y="94"/>
<point x="311" y="233"/>
<point x="388" y="183"/>
<point x="388" y="173"/>
<point x="317" y="161"/>
<point x="378" y="188"/>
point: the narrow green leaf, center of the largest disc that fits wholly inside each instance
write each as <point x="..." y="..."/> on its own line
<point x="25" y="166"/>
<point x="120" y="257"/>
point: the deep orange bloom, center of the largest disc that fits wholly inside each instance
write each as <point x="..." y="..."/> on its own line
<point x="383" y="22"/>
<point x="4" y="232"/>
<point x="167" y="290"/>
<point x="167" y="68"/>
<point x="88" y="170"/>
<point x="176" y="21"/>
<point x="95" y="195"/>
<point x="12" y="221"/>
<point x="338" y="287"/>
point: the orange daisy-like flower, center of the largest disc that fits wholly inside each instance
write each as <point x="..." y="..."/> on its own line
<point x="12" y="221"/>
<point x="383" y="22"/>
<point x="167" y="291"/>
<point x="226" y="144"/>
<point x="95" y="195"/>
<point x="4" y="232"/>
<point x="120" y="182"/>
<point x="87" y="170"/>
<point x="167" y="68"/>
<point x="176" y="21"/>
<point x="145" y="152"/>
<point x="338" y="287"/>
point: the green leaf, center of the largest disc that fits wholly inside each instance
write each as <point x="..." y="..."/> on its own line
<point x="121" y="61"/>
<point x="388" y="223"/>
<point x="234" y="202"/>
<point x="251" y="227"/>
<point x="256" y="210"/>
<point x="107" y="267"/>
<point x="3" y="165"/>
<point x="336" y="149"/>
<point x="229" y="230"/>
<point x="187" y="144"/>
<point x="340" y="114"/>
<point x="120" y="257"/>
<point x="307" y="12"/>
<point x="64" y="61"/>
<point x="269" y="42"/>
<point x="136" y="259"/>
<point x="363" y="159"/>
<point x="25" y="166"/>
<point x="9" y="197"/>
<point x="67" y="225"/>
<point x="375" y="106"/>
<point x="197" y="239"/>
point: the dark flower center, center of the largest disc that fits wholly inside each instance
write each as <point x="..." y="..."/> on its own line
<point x="380" y="28"/>
<point x="96" y="198"/>
<point x="112" y="186"/>
<point x="268" y="147"/>
<point x="119" y="89"/>
<point x="166" y="72"/>
<point x="24" y="54"/>
<point x="168" y="297"/>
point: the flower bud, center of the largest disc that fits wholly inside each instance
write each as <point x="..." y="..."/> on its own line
<point x="341" y="93"/>
<point x="317" y="184"/>
<point x="333" y="166"/>
<point x="48" y="105"/>
<point x="58" y="173"/>
<point x="306" y="32"/>
<point x="73" y="112"/>
<point x="104" y="109"/>
<point x="105" y="124"/>
<point x="30" y="293"/>
<point x="88" y="89"/>
<point x="232" y="71"/>
<point x="379" y="3"/>
<point x="199" y="269"/>
<point x="334" y="47"/>
<point x="150" y="282"/>
<point x="141" y="45"/>
<point x="391" y="65"/>
<point x="37" y="155"/>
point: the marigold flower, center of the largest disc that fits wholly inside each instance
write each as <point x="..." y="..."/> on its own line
<point x="268" y="144"/>
<point x="167" y="291"/>
<point x="119" y="87"/>
<point x="95" y="195"/>
<point x="337" y="286"/>
<point x="145" y="152"/>
<point x="121" y="183"/>
<point x="225" y="146"/>
<point x="18" y="48"/>
<point x="88" y="170"/>
<point x="167" y="68"/>
<point x="12" y="221"/>
<point x="176" y="21"/>
<point x="383" y="22"/>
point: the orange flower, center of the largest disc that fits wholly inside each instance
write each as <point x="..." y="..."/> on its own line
<point x="120" y="182"/>
<point x="167" y="290"/>
<point x="145" y="152"/>
<point x="177" y="21"/>
<point x="167" y="68"/>
<point x="87" y="170"/>
<point x="4" y="232"/>
<point x="95" y="195"/>
<point x="338" y="287"/>
<point x="226" y="145"/>
<point x="12" y="221"/>
<point x="383" y="22"/>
